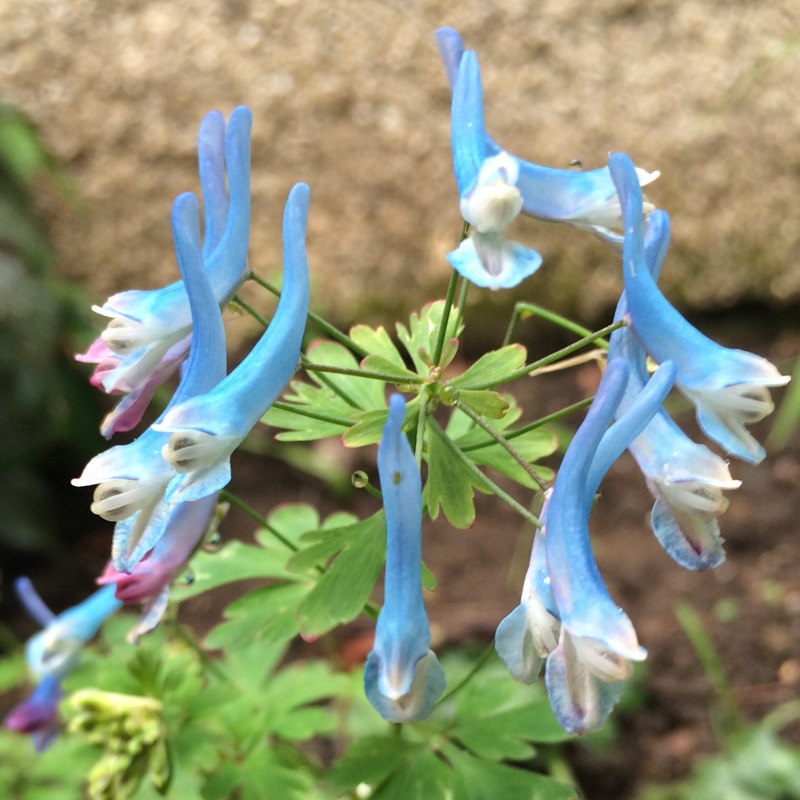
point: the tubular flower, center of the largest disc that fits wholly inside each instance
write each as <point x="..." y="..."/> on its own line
<point x="490" y="199"/>
<point x="585" y="673"/>
<point x="729" y="388"/>
<point x="402" y="678"/>
<point x="205" y="430"/>
<point x="149" y="332"/>
<point x="586" y="200"/>
<point x="686" y="479"/>
<point x="55" y="650"/>
<point x="132" y="478"/>
<point x="532" y="632"/>
<point x="151" y="576"/>
<point x="37" y="714"/>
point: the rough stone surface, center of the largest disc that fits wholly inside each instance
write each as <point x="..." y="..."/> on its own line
<point x="353" y="100"/>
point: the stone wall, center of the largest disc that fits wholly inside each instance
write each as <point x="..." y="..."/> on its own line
<point x="354" y="101"/>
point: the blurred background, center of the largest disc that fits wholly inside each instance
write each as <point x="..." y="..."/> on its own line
<point x="100" y="107"/>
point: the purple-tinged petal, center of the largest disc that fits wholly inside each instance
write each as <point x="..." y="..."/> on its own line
<point x="38" y="713"/>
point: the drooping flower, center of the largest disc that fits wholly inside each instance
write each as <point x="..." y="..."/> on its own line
<point x="149" y="332"/>
<point x="132" y="478"/>
<point x="204" y="430"/>
<point x="37" y="714"/>
<point x="586" y="200"/>
<point x="729" y="388"/>
<point x="150" y="577"/>
<point x="686" y="479"/>
<point x="55" y="650"/>
<point x="532" y="631"/>
<point x="490" y="199"/>
<point x="597" y="644"/>
<point x="402" y="678"/>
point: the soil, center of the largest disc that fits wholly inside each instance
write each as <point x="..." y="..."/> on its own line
<point x="750" y="604"/>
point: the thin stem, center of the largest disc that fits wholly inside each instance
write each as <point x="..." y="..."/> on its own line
<point x="730" y="721"/>
<point x="479" y="476"/>
<point x="254" y="515"/>
<point x="345" y="423"/>
<point x="331" y="330"/>
<point x="504" y="443"/>
<point x="476" y="668"/>
<point x="423" y="410"/>
<point x="387" y="377"/>
<point x="461" y="303"/>
<point x="533" y="310"/>
<point x="250" y="310"/>
<point x="553" y="357"/>
<point x="598" y="355"/>
<point x="448" y="304"/>
<point x="208" y="662"/>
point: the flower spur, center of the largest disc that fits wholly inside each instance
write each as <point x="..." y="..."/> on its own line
<point x="586" y="200"/>
<point x="402" y="677"/>
<point x="203" y="431"/>
<point x="150" y="331"/>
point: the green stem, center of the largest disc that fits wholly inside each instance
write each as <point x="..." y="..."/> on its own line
<point x="250" y="310"/>
<point x="503" y="442"/>
<point x="476" y="668"/>
<point x="448" y="304"/>
<point x="553" y="357"/>
<point x="479" y="476"/>
<point x="387" y="377"/>
<point x="254" y="515"/>
<point x="423" y="410"/>
<point x="331" y="330"/>
<point x="345" y="423"/>
<point x="532" y="426"/>
<point x="729" y="721"/>
<point x="208" y="662"/>
<point x="533" y="310"/>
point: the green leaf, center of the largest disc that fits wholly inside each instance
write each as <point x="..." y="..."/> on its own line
<point x="291" y="521"/>
<point x="267" y="614"/>
<point x="423" y="332"/>
<point x="363" y="393"/>
<point x="378" y="363"/>
<point x="483" y="402"/>
<point x="421" y="776"/>
<point x="234" y="561"/>
<point x="478" y="780"/>
<point x="370" y="760"/>
<point x="377" y="341"/>
<point x="450" y="486"/>
<point x="265" y="777"/>
<point x="344" y="588"/>
<point x="368" y="428"/>
<point x="491" y="368"/>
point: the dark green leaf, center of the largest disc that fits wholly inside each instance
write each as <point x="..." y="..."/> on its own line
<point x="491" y="368"/>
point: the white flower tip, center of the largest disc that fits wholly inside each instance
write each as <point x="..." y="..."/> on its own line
<point x="646" y="177"/>
<point x="190" y="450"/>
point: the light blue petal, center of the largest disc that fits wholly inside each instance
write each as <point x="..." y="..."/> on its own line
<point x="515" y="645"/>
<point x="451" y="48"/>
<point x="580" y="700"/>
<point x="467" y="131"/>
<point x="492" y="262"/>
<point x="194" y="486"/>
<point x="729" y="433"/>
<point x="215" y="422"/>
<point x="211" y="167"/>
<point x="426" y="688"/>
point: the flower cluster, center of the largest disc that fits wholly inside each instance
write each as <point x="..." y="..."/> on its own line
<point x="161" y="489"/>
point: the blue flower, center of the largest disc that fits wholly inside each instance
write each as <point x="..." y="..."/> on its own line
<point x="132" y="478"/>
<point x="490" y="200"/>
<point x="585" y="673"/>
<point x="686" y="479"/>
<point x="206" y="429"/>
<point x="586" y="200"/>
<point x="55" y="650"/>
<point x="37" y="714"/>
<point x="729" y="388"/>
<point x="402" y="678"/>
<point x="149" y="332"/>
